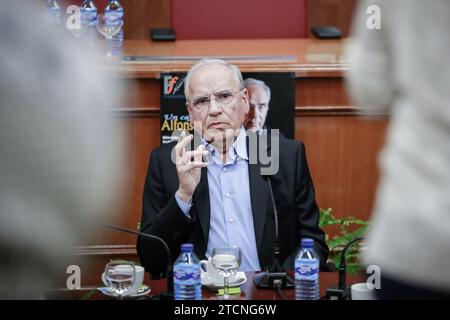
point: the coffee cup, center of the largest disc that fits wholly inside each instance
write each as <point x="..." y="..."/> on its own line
<point x="361" y="291"/>
<point x="211" y="275"/>
<point x="138" y="279"/>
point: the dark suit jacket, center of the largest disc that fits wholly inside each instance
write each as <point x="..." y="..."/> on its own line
<point x="293" y="189"/>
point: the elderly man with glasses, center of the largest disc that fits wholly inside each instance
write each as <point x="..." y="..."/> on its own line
<point x="212" y="194"/>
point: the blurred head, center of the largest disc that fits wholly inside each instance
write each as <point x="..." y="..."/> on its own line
<point x="259" y="98"/>
<point x="216" y="99"/>
<point x="60" y="150"/>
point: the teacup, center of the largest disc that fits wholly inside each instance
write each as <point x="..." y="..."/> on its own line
<point x="138" y="280"/>
<point x="210" y="274"/>
<point x="360" y="291"/>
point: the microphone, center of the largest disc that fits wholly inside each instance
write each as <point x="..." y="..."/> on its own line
<point x="168" y="295"/>
<point x="341" y="292"/>
<point x="275" y="276"/>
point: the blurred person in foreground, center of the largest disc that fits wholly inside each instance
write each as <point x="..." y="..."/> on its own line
<point x="403" y="69"/>
<point x="60" y="151"/>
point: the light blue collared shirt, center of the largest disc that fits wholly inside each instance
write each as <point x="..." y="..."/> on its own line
<point x="231" y="221"/>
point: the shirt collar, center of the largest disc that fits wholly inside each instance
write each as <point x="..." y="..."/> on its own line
<point x="237" y="151"/>
<point x="240" y="144"/>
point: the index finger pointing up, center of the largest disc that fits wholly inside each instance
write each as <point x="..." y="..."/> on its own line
<point x="182" y="143"/>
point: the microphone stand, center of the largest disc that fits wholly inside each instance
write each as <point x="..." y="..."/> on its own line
<point x="341" y="292"/>
<point x="168" y="295"/>
<point x="275" y="277"/>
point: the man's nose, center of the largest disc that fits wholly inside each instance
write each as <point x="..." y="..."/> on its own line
<point x="214" y="108"/>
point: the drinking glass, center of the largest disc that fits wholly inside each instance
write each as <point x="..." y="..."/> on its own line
<point x="108" y="29"/>
<point x="120" y="276"/>
<point x="227" y="262"/>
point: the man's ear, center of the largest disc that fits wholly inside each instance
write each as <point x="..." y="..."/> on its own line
<point x="245" y="99"/>
<point x="189" y="111"/>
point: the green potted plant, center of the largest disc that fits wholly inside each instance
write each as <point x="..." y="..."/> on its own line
<point x="349" y="229"/>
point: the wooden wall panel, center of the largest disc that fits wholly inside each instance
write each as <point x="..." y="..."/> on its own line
<point x="142" y="136"/>
<point x="330" y="12"/>
<point x="342" y="153"/>
<point x="143" y="93"/>
<point x="143" y="15"/>
<point x="321" y="92"/>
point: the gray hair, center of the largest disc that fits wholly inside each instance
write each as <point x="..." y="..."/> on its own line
<point x="207" y="62"/>
<point x="257" y="83"/>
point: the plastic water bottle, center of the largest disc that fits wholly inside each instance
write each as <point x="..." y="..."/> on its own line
<point x="52" y="12"/>
<point x="307" y="264"/>
<point x="114" y="16"/>
<point x="88" y="17"/>
<point x="186" y="275"/>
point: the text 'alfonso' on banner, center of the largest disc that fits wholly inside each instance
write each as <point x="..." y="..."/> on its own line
<point x="174" y="115"/>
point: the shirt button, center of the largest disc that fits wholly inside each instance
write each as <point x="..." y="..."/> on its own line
<point x="227" y="194"/>
<point x="225" y="169"/>
<point x="231" y="220"/>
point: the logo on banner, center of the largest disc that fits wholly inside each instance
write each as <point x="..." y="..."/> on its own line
<point x="172" y="85"/>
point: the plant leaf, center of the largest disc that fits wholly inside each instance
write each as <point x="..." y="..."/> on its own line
<point x="337" y="243"/>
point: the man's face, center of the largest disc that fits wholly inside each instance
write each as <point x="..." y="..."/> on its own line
<point x="219" y="120"/>
<point x="259" y="106"/>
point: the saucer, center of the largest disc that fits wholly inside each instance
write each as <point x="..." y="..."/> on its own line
<point x="143" y="290"/>
<point x="240" y="280"/>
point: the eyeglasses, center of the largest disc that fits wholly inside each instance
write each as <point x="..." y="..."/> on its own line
<point x="222" y="99"/>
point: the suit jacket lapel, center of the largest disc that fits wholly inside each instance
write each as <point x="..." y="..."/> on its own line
<point x="200" y="201"/>
<point x="259" y="195"/>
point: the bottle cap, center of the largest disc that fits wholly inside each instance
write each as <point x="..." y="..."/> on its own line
<point x="307" y="243"/>
<point x="187" y="247"/>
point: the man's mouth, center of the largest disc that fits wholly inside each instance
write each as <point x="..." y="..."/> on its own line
<point x="217" y="125"/>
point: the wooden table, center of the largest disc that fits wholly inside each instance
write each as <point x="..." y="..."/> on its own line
<point x="305" y="57"/>
<point x="248" y="289"/>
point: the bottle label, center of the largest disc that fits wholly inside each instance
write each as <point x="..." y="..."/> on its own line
<point x="186" y="276"/>
<point x="307" y="269"/>
<point x="114" y="18"/>
<point x="88" y="17"/>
